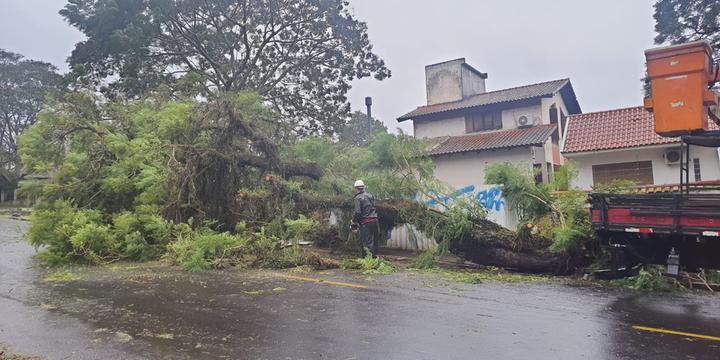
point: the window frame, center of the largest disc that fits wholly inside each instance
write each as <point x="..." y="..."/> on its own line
<point x="483" y="121"/>
<point x="638" y="171"/>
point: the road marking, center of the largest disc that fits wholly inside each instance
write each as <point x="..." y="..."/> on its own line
<point x="671" y="332"/>
<point x="321" y="281"/>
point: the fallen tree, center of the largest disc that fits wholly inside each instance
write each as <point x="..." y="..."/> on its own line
<point x="134" y="179"/>
<point x="473" y="238"/>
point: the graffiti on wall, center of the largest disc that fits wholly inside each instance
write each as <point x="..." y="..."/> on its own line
<point x="491" y="198"/>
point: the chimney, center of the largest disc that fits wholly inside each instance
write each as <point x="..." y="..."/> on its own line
<point x="452" y="80"/>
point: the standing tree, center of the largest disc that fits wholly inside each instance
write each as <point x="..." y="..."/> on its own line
<point x="23" y="86"/>
<point x="299" y="55"/>
<point x="358" y="131"/>
<point x="679" y="21"/>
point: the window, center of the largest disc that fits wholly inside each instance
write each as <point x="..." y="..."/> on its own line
<point x="696" y="168"/>
<point x="638" y="171"/>
<point x="491" y="120"/>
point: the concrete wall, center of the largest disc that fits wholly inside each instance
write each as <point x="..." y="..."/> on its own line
<point x="472" y="83"/>
<point x="458" y="170"/>
<point x="452" y="81"/>
<point x="461" y="171"/>
<point x="443" y="82"/>
<point x="662" y="173"/>
<point x="431" y="128"/>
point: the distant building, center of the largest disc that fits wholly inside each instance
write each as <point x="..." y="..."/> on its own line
<point x="621" y="144"/>
<point x="473" y="127"/>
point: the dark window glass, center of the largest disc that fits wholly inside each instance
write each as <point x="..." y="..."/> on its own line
<point x="696" y="168"/>
<point x="484" y="121"/>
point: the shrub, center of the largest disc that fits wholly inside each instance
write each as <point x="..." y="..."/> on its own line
<point x="69" y="233"/>
<point x="369" y="265"/>
<point x="205" y="249"/>
<point x="650" y="278"/>
<point x="425" y="261"/>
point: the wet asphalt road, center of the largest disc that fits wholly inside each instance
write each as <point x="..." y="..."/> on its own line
<point x="152" y="311"/>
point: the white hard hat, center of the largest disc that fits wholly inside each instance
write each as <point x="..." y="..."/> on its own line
<point x="359" y="183"/>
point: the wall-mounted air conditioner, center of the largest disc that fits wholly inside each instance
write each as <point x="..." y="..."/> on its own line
<point x="672" y="156"/>
<point x="525" y="120"/>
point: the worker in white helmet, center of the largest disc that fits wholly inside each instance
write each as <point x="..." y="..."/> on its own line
<point x="365" y="218"/>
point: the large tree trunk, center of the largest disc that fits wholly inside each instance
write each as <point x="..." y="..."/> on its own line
<point x="488" y="244"/>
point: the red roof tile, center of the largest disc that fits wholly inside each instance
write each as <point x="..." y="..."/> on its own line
<point x="613" y="129"/>
<point x="530" y="136"/>
<point x="492" y="97"/>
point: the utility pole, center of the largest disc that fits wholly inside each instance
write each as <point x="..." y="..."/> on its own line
<point x="368" y="103"/>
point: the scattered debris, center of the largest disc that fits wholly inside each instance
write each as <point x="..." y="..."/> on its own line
<point x="123" y="337"/>
<point x="62" y="276"/>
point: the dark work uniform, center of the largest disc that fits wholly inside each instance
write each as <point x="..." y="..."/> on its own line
<point x="366" y="216"/>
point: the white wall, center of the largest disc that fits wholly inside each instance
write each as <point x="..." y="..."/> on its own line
<point x="509" y="116"/>
<point x="435" y="128"/>
<point x="463" y="169"/>
<point x="662" y="173"/>
<point x="468" y="169"/>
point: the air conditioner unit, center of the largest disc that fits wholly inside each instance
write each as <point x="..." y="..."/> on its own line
<point x="672" y="157"/>
<point x="524" y="120"/>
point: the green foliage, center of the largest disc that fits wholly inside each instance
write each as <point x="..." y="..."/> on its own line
<point x="425" y="261"/>
<point x="73" y="234"/>
<point x="358" y="131"/>
<point x="681" y="21"/>
<point x="204" y="248"/>
<point x="24" y="86"/>
<point x="651" y="279"/>
<point x="530" y="201"/>
<point x="392" y="166"/>
<point x="299" y="55"/>
<point x="369" y="265"/>
<point x="560" y="212"/>
<point x="62" y="276"/>
<point x="616" y="187"/>
<point x="487" y="274"/>
<point x="298" y="229"/>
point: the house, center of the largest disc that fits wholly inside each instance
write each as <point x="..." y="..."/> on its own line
<point x="472" y="128"/>
<point x="621" y="144"/>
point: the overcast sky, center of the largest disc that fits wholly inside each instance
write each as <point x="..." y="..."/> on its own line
<point x="597" y="44"/>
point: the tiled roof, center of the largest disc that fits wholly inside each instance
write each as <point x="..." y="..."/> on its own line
<point x="492" y="97"/>
<point x="535" y="135"/>
<point x="613" y="129"/>
<point x="694" y="186"/>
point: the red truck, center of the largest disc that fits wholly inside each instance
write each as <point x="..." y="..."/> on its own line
<point x="659" y="228"/>
<point x="681" y="229"/>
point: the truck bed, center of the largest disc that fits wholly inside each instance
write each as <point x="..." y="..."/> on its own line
<point x="673" y="213"/>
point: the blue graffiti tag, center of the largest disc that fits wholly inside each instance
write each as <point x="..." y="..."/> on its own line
<point x="491" y="199"/>
<point x="446" y="199"/>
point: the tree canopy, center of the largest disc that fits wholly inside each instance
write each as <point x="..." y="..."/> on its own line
<point x="23" y="86"/>
<point x="358" y="130"/>
<point x="679" y="21"/>
<point x="299" y="55"/>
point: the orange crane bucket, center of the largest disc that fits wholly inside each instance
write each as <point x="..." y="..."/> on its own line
<point x="679" y="77"/>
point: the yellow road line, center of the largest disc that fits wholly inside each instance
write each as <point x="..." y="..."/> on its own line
<point x="672" y="332"/>
<point x="321" y="281"/>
